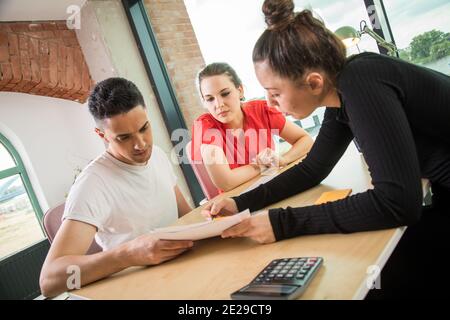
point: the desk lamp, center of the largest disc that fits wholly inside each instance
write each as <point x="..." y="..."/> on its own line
<point x="350" y="37"/>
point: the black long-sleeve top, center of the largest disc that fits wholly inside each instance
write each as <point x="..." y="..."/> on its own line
<point x="397" y="112"/>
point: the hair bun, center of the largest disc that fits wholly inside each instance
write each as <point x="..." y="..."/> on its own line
<point x="278" y="13"/>
<point x="307" y="17"/>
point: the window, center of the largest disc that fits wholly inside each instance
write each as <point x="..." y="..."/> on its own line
<point x="421" y="31"/>
<point x="351" y="13"/>
<point x="6" y="161"/>
<point x="19" y="210"/>
<point x="227" y="31"/>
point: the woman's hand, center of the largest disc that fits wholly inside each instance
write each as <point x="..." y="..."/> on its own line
<point x="257" y="227"/>
<point x="269" y="158"/>
<point x="223" y="207"/>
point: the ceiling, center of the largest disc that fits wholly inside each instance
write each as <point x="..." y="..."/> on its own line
<point x="32" y="10"/>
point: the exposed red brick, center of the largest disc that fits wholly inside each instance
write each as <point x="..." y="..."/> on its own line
<point x="5" y="27"/>
<point x="69" y="71"/>
<point x="3" y="38"/>
<point x="53" y="53"/>
<point x="25" y="66"/>
<point x="49" y="26"/>
<point x="8" y="87"/>
<point x="62" y="56"/>
<point x="24" y="56"/>
<point x="16" y="70"/>
<point x="19" y="27"/>
<point x="5" y="75"/>
<point x="35" y="27"/>
<point x="42" y="88"/>
<point x="34" y="48"/>
<point x="54" y="92"/>
<point x="13" y="42"/>
<point x="86" y="82"/>
<point x="77" y="96"/>
<point x="43" y="58"/>
<point x="180" y="51"/>
<point x="70" y="42"/>
<point x="35" y="71"/>
<point x="68" y="34"/>
<point x="44" y="35"/>
<point x="61" y="25"/>
<point x="77" y="65"/>
<point x="23" y="42"/>
<point x="53" y="58"/>
<point x="39" y="85"/>
<point x="4" y="53"/>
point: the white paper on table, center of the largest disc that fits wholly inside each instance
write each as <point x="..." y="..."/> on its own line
<point x="202" y="230"/>
<point x="270" y="171"/>
<point x="266" y="176"/>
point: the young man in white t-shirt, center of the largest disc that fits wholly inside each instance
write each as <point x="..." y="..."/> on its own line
<point x="118" y="198"/>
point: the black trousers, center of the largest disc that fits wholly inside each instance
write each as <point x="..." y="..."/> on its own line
<point x="434" y="161"/>
<point x="417" y="268"/>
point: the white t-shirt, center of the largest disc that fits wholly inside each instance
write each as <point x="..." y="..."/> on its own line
<point x="124" y="201"/>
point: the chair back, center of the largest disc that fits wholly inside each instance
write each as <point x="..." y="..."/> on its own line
<point x="208" y="187"/>
<point x="52" y="222"/>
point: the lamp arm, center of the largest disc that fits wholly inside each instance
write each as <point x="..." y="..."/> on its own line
<point x="382" y="42"/>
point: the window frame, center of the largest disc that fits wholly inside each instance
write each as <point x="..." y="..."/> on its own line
<point x="20" y="170"/>
<point x="384" y="30"/>
<point x="159" y="77"/>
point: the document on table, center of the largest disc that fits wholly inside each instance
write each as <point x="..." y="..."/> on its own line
<point x="266" y="176"/>
<point x="333" y="195"/>
<point x="202" y="230"/>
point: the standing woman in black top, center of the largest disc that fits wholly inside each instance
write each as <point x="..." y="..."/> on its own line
<point x="399" y="114"/>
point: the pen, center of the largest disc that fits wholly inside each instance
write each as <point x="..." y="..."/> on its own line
<point x="222" y="214"/>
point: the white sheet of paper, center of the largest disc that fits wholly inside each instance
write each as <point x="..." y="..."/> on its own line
<point x="270" y="171"/>
<point x="202" y="230"/>
<point x="265" y="177"/>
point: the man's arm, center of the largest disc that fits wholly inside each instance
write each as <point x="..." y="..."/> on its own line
<point x="72" y="242"/>
<point x="183" y="205"/>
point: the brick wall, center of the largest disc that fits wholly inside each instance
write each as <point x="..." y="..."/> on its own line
<point x="44" y="59"/>
<point x="180" y="51"/>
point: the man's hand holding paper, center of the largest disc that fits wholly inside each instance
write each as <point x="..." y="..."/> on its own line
<point x="202" y="230"/>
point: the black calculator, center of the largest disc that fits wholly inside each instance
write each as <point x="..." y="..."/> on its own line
<point x="281" y="279"/>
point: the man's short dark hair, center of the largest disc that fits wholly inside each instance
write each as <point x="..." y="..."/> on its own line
<point x="114" y="96"/>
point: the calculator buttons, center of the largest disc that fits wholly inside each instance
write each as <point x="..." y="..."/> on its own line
<point x="285" y="278"/>
<point x="294" y="271"/>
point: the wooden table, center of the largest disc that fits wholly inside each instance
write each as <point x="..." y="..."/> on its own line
<point x="216" y="267"/>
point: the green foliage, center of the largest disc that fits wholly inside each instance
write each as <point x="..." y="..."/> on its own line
<point x="405" y="54"/>
<point x="440" y="50"/>
<point x="427" y="47"/>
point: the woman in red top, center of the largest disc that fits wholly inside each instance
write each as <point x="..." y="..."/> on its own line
<point x="235" y="138"/>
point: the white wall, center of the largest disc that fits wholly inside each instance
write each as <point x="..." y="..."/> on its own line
<point x="31" y="10"/>
<point x="53" y="137"/>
